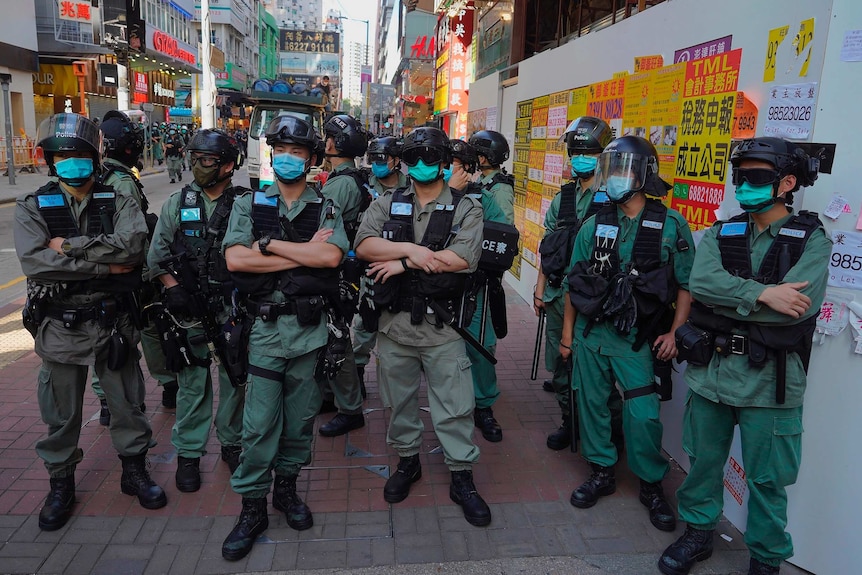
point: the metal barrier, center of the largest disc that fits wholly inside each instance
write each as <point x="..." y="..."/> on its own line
<point x="25" y="155"/>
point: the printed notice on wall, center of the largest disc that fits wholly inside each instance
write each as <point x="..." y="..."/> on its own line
<point x="791" y="111"/>
<point x="851" y="49"/>
<point x="845" y="263"/>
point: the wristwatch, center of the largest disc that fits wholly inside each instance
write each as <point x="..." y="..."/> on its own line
<point x="262" y="244"/>
<point x="66" y="247"/>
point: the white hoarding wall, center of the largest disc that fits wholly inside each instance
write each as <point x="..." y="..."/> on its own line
<point x="786" y="67"/>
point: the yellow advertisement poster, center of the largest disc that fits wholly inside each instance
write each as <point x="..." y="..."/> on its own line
<point x="577" y="102"/>
<point x="703" y="148"/>
<point x="776" y="37"/>
<point x="636" y="108"/>
<point x="664" y="115"/>
<point x="531" y="237"/>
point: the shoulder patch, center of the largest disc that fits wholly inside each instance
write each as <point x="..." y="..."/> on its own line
<point x="402" y="209"/>
<point x="732" y="229"/>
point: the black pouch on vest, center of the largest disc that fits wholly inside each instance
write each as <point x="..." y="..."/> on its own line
<point x="118" y="351"/>
<point x="108" y="313"/>
<point x="370" y="316"/>
<point x="694" y="345"/>
<point x="309" y="310"/>
<point x="587" y="290"/>
<point x="234" y="354"/>
<point x="384" y="295"/>
<point x="417" y="311"/>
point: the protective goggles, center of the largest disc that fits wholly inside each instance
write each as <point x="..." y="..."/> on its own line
<point x="204" y="160"/>
<point x="378" y="157"/>
<point x="754" y="176"/>
<point x="429" y="155"/>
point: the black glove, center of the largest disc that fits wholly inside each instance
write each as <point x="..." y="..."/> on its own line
<point x="177" y="300"/>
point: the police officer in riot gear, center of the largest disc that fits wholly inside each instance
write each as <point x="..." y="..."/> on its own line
<point x="422" y="242"/>
<point x="174" y="144"/>
<point x="747" y="352"/>
<point x="124" y="144"/>
<point x="81" y="245"/>
<point x="189" y="233"/>
<point x="384" y="156"/>
<point x="348" y="187"/>
<point x="283" y="247"/>
<point x="492" y="150"/>
<point x="485" y="287"/>
<point x="585" y="139"/>
<point x="630" y="267"/>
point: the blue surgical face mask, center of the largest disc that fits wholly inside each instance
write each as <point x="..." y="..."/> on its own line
<point x="618" y="187"/>
<point x="752" y="198"/>
<point x="447" y="173"/>
<point x="584" y="166"/>
<point x="288" y="168"/>
<point x="381" y="169"/>
<point x="74" y="171"/>
<point x="423" y="173"/>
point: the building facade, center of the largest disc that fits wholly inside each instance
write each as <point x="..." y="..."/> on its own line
<point x="268" y="44"/>
<point x="235" y="30"/>
<point x="296" y="14"/>
<point x="19" y="58"/>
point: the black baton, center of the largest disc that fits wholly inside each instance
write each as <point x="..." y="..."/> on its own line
<point x="540" y="331"/>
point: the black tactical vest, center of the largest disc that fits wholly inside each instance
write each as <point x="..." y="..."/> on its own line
<point x="200" y="237"/>
<point x="57" y="213"/>
<point x="301" y="281"/>
<point x="399" y="228"/>
<point x="500" y="178"/>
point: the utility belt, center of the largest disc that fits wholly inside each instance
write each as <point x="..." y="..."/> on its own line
<point x="418" y="307"/>
<point x="105" y="313"/>
<point x="308" y="309"/>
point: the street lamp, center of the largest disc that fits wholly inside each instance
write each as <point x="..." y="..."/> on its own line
<point x="367" y="28"/>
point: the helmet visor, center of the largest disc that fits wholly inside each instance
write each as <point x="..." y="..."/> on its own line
<point x="430" y="155"/>
<point x="289" y="129"/>
<point x="68" y="132"/>
<point x="377" y="157"/>
<point x="622" y="165"/>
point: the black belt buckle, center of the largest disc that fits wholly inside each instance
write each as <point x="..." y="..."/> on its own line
<point x="738" y="344"/>
<point x="70" y="318"/>
<point x="265" y="311"/>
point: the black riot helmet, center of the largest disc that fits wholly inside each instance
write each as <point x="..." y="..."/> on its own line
<point x="629" y="165"/>
<point x="348" y="135"/>
<point x="466" y="153"/>
<point x="788" y="159"/>
<point x="492" y="145"/>
<point x="124" y="139"/>
<point x="431" y="145"/>
<point x="379" y="148"/>
<point x="68" y="132"/>
<point x="587" y="135"/>
<point x="216" y="143"/>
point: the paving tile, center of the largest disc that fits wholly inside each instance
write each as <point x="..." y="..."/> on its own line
<point x="383" y="551"/>
<point x="321" y="554"/>
<point x="360" y="553"/>
<point x="285" y="556"/>
<point x="454" y="545"/>
<point x="185" y="561"/>
<point x="418" y="548"/>
<point x="85" y="559"/>
<point x="161" y="560"/>
<point x="59" y="558"/>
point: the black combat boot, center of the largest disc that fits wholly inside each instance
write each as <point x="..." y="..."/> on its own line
<point x="756" y="567"/>
<point x="483" y="417"/>
<point x="694" y="545"/>
<point x="341" y="424"/>
<point x="284" y="498"/>
<point x="602" y="482"/>
<point x="169" y="394"/>
<point x="252" y="521"/>
<point x="136" y="481"/>
<point x="230" y="455"/>
<point x="360" y="372"/>
<point x="660" y="513"/>
<point x="548" y="385"/>
<point x="562" y="437"/>
<point x="58" y="505"/>
<point x="188" y="476"/>
<point x="397" y="487"/>
<point x="104" y="412"/>
<point x="462" y="491"/>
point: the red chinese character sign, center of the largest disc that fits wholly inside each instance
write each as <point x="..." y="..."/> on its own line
<point x="454" y="36"/>
<point x="75" y="11"/>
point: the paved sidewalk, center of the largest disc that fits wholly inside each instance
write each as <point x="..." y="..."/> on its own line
<point x="534" y="528"/>
<point x="27" y="182"/>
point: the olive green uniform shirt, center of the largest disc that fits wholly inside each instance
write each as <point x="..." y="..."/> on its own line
<point x="88" y="257"/>
<point x="583" y="201"/>
<point x="284" y="337"/>
<point x="503" y="194"/>
<point x="381" y="189"/>
<point x="467" y="244"/>
<point x="731" y="380"/>
<point x="604" y="337"/>
<point x="344" y="192"/>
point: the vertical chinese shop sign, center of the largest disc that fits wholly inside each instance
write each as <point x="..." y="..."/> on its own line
<point x="709" y="97"/>
<point x="520" y="169"/>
